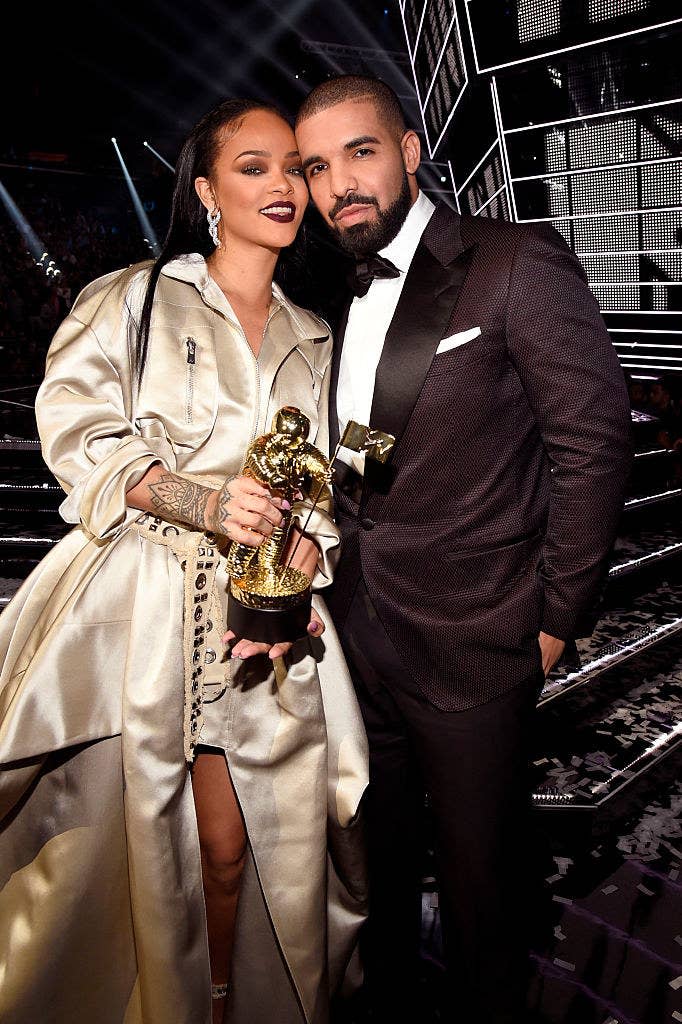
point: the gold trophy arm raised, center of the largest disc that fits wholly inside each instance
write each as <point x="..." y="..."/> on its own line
<point x="316" y="471"/>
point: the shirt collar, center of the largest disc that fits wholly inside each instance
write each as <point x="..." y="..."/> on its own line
<point x="401" y="250"/>
<point x="193" y="269"/>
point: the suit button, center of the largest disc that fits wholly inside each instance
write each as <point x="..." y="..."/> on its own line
<point x="367" y="523"/>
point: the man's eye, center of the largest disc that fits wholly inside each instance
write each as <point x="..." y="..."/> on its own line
<point x="315" y="169"/>
<point x="363" y="152"/>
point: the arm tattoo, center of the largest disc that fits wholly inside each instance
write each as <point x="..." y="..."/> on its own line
<point x="181" y="500"/>
<point x="223" y="513"/>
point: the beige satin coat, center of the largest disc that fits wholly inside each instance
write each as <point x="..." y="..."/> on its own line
<point x="101" y="903"/>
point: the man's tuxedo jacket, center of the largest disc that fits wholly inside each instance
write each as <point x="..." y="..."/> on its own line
<point x="498" y="510"/>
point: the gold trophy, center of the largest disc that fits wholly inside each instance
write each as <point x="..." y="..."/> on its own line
<point x="268" y="600"/>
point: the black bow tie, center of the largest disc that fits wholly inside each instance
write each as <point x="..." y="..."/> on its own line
<point x="368" y="267"/>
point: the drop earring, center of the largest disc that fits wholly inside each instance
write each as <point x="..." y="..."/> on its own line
<point x="213" y="217"/>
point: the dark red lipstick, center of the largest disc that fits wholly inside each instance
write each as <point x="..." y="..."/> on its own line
<point x="283" y="213"/>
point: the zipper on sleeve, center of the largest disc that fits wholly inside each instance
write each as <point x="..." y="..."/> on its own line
<point x="189" y="386"/>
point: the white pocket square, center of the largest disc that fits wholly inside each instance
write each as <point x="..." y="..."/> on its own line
<point x="455" y="340"/>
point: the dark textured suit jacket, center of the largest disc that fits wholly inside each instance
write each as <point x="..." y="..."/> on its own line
<point x="498" y="511"/>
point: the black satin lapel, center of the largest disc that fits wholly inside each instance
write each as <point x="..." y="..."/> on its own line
<point x="334" y="378"/>
<point x="419" y="324"/>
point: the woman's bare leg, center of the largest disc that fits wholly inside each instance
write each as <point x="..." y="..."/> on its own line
<point x="222" y="837"/>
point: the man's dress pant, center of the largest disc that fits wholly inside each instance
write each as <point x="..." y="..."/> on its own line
<point x="474" y="766"/>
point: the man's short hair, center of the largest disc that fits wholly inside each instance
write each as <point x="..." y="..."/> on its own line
<point x="355" y="88"/>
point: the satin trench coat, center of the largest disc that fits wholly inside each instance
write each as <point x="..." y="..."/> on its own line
<point x="102" y="909"/>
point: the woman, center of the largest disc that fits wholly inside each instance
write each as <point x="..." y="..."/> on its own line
<point x="163" y="858"/>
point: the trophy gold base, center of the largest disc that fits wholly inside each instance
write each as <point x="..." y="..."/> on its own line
<point x="268" y="625"/>
<point x="270" y="609"/>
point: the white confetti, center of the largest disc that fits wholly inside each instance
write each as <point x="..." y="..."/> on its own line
<point x="676" y="982"/>
<point x="564" y="963"/>
<point x="609" y="889"/>
<point x="647" y="892"/>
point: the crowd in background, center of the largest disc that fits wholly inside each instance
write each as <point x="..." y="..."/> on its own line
<point x="82" y="245"/>
<point x="34" y="302"/>
<point x="661" y="398"/>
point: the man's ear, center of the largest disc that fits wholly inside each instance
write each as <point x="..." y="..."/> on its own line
<point x="204" y="190"/>
<point x="412" y="151"/>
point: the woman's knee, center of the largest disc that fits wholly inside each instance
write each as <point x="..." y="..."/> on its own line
<point x="223" y="860"/>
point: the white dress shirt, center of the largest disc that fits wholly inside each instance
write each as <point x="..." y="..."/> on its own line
<point x="369" y="318"/>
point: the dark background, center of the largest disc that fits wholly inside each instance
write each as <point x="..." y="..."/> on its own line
<point x="77" y="73"/>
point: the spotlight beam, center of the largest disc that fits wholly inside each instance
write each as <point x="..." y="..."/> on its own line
<point x="159" y="157"/>
<point x="148" y="230"/>
<point x="36" y="247"/>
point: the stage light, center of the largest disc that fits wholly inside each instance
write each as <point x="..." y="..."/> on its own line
<point x="36" y="248"/>
<point x="139" y="209"/>
<point x="159" y="157"/>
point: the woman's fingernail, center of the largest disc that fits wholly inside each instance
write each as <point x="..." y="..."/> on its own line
<point x="286" y="504"/>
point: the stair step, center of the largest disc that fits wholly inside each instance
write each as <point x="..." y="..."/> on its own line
<point x="645" y="548"/>
<point x="647" y="500"/>
<point x="584" y="765"/>
<point x="19" y="540"/>
<point x="614" y="653"/>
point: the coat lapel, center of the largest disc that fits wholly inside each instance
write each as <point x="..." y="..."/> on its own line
<point x="421" y="319"/>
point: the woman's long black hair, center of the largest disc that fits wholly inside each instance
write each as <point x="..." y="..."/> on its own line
<point x="188" y="229"/>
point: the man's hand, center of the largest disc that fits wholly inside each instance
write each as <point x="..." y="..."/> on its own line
<point x="247" y="648"/>
<point x="552" y="649"/>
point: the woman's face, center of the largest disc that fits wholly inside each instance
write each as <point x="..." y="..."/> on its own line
<point x="257" y="183"/>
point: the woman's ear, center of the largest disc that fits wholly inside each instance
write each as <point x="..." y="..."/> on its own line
<point x="204" y="190"/>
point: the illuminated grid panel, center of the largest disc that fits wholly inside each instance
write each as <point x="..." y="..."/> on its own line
<point x="607" y="10"/>
<point x="437" y="21"/>
<point x="608" y="191"/>
<point x="485" y="184"/>
<point x="502" y="41"/>
<point x="447" y="90"/>
<point x="659" y="181"/>
<point x="538" y="21"/>
<point x="412" y="13"/>
<point x="498" y="207"/>
<point x="635" y="247"/>
<point x="648" y="273"/>
<point x="668" y="132"/>
<point x="621" y="139"/>
<point x="576" y="81"/>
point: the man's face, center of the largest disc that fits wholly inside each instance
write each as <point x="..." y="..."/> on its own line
<point x="360" y="174"/>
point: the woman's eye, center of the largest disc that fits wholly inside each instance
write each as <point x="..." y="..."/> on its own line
<point x="252" y="169"/>
<point x="297" y="171"/>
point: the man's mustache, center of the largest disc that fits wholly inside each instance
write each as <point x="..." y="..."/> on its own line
<point x="352" y="200"/>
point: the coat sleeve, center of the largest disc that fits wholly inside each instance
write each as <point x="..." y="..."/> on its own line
<point x="573" y="381"/>
<point x="84" y="411"/>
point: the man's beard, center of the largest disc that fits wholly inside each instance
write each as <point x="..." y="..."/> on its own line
<point x="375" y="235"/>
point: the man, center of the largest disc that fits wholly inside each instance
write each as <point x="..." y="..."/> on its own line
<point x="469" y="560"/>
